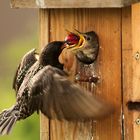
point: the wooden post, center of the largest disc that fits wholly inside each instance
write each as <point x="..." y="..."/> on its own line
<point x="136" y="66"/>
<point x="44" y="39"/>
<point x="127" y="73"/>
<point x="131" y="69"/>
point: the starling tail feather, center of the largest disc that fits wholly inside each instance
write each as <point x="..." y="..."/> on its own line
<point x="8" y="119"/>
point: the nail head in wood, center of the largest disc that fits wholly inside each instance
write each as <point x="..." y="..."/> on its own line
<point x="137" y="55"/>
<point x="137" y="121"/>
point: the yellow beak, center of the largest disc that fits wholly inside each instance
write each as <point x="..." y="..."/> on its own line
<point x="80" y="44"/>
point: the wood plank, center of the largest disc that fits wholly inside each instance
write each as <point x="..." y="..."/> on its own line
<point x="127" y="71"/>
<point x="136" y="64"/>
<point x="109" y="63"/>
<point x="61" y="20"/>
<point x="44" y="39"/>
<point x="131" y="68"/>
<point x="70" y="3"/>
<point x="136" y="48"/>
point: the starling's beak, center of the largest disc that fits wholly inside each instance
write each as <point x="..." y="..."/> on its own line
<point x="64" y="45"/>
<point x="80" y="44"/>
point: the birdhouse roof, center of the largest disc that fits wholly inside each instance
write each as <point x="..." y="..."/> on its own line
<point x="71" y="3"/>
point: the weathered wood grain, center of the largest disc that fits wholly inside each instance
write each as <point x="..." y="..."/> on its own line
<point x="44" y="39"/>
<point x="127" y="72"/>
<point x="131" y="68"/>
<point x="107" y="24"/>
<point x="136" y="49"/>
<point x="136" y="65"/>
<point x="70" y="3"/>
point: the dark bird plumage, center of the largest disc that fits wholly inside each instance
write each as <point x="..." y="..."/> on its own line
<point x="45" y="87"/>
<point x="27" y="61"/>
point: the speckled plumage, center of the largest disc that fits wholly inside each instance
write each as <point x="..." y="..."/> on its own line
<point x="27" y="61"/>
<point x="27" y="69"/>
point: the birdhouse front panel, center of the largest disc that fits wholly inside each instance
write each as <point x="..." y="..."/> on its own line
<point x="106" y="23"/>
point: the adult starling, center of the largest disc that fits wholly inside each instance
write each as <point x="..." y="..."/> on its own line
<point x="45" y="87"/>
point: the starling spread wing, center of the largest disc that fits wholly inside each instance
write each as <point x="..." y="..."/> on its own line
<point x="27" y="61"/>
<point x="59" y="98"/>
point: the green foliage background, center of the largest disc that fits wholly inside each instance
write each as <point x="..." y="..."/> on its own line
<point x="10" y="56"/>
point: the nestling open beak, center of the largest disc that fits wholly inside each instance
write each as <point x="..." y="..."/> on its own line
<point x="80" y="43"/>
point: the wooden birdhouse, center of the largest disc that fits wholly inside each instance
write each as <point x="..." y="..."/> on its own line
<point x="117" y="23"/>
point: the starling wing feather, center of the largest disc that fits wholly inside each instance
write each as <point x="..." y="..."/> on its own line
<point x="27" y="61"/>
<point x="57" y="97"/>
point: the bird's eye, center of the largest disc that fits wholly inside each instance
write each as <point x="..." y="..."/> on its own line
<point x="88" y="38"/>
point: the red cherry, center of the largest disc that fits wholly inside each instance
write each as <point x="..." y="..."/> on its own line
<point x="72" y="39"/>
